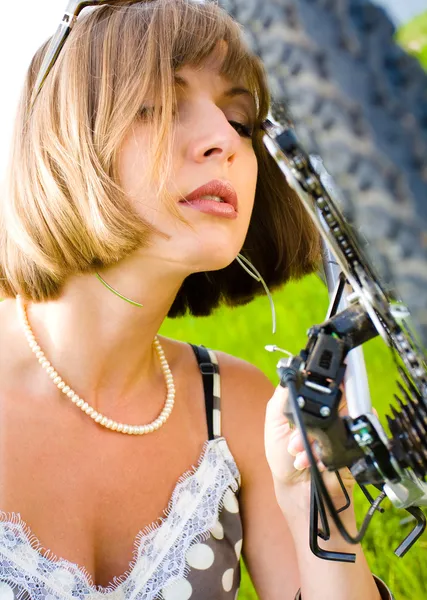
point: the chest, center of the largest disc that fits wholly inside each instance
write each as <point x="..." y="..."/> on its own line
<point x="86" y="492"/>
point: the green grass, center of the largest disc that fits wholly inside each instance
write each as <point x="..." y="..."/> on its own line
<point x="243" y="332"/>
<point x="413" y="38"/>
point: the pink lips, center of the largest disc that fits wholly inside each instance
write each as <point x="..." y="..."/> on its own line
<point x="216" y="187"/>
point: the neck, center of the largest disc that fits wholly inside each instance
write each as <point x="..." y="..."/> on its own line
<point x="101" y="345"/>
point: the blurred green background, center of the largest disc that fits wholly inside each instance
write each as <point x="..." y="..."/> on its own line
<point x="244" y="331"/>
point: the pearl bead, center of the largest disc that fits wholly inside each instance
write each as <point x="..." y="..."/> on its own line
<point x="84" y="406"/>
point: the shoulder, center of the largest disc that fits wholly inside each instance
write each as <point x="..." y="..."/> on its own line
<point x="245" y="392"/>
<point x="244" y="387"/>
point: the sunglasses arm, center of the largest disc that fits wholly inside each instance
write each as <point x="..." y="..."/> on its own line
<point x="72" y="11"/>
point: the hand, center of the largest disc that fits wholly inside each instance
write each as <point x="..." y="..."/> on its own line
<point x="289" y="462"/>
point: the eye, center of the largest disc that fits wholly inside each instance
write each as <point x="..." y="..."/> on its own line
<point x="243" y="130"/>
<point x="147" y="112"/>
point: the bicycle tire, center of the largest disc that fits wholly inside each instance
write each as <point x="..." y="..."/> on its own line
<point x="359" y="102"/>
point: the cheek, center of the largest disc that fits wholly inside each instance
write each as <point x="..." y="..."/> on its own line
<point x="132" y="165"/>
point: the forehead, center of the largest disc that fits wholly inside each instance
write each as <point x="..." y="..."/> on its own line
<point x="189" y="76"/>
<point x="215" y="64"/>
<point x="212" y="70"/>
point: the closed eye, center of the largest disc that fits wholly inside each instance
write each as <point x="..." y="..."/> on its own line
<point x="146" y="112"/>
<point x="243" y="130"/>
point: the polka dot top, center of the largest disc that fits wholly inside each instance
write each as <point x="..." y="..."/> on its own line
<point x="192" y="552"/>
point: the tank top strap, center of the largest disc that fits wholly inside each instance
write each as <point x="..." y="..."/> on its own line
<point x="208" y="365"/>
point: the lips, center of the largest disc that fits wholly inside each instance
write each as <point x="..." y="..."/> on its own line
<point x="216" y="187"/>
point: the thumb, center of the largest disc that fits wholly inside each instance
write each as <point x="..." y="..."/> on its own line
<point x="277" y="405"/>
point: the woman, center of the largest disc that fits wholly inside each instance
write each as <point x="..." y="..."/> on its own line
<point x="139" y="167"/>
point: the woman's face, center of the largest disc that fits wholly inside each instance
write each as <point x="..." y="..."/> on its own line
<point x="211" y="143"/>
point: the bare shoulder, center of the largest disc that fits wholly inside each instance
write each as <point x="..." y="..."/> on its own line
<point x="245" y="392"/>
<point x="238" y="371"/>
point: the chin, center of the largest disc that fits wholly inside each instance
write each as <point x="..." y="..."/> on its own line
<point x="217" y="258"/>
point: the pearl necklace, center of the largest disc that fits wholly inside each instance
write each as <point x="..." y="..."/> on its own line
<point x="84" y="406"/>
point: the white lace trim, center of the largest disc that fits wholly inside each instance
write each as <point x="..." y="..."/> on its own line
<point x="159" y="551"/>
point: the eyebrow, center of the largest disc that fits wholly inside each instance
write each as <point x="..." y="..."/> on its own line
<point x="230" y="93"/>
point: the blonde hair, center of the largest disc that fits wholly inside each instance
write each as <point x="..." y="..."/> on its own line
<point x="65" y="212"/>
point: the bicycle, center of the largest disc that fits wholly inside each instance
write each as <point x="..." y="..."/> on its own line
<point x="358" y="104"/>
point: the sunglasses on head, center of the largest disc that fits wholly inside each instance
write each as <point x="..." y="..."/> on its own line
<point x="74" y="8"/>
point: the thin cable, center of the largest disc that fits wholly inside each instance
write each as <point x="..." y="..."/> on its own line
<point x="108" y="286"/>
<point x="258" y="277"/>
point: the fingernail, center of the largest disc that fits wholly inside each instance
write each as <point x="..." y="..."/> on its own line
<point x="297" y="462"/>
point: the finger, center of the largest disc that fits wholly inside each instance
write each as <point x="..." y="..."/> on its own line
<point x="302" y="462"/>
<point x="296" y="443"/>
<point x="277" y="405"/>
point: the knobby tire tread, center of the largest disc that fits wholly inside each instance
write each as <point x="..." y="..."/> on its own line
<point x="359" y="102"/>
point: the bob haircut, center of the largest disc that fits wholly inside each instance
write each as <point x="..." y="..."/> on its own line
<point x="64" y="211"/>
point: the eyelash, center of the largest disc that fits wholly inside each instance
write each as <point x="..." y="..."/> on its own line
<point x="241" y="128"/>
<point x="244" y="130"/>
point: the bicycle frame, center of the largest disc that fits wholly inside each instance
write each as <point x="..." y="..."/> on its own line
<point x="359" y="310"/>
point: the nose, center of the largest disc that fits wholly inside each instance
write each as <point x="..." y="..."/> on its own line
<point x="212" y="138"/>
